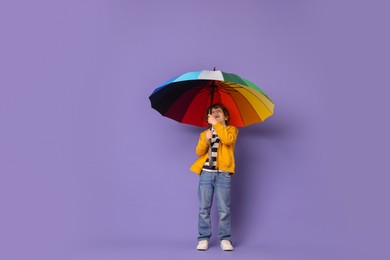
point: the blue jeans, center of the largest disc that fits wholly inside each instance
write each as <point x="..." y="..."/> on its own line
<point x="218" y="184"/>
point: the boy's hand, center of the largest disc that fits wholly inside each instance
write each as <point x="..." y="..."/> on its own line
<point x="209" y="135"/>
<point x="211" y="119"/>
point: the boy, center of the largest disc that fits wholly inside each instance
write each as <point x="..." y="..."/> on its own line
<point x="215" y="170"/>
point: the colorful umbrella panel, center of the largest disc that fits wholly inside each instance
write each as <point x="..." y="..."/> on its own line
<point x="186" y="98"/>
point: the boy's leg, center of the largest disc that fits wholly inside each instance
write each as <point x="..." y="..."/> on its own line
<point x="222" y="194"/>
<point x="206" y="192"/>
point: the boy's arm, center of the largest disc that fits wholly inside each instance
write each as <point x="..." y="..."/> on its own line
<point x="228" y="135"/>
<point x="203" y="145"/>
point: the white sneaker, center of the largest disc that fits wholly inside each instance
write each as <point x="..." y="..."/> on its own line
<point x="226" y="245"/>
<point x="203" y="245"/>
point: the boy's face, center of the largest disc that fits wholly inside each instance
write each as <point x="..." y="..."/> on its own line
<point x="219" y="115"/>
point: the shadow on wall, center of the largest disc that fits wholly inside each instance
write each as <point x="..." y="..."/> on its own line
<point x="253" y="161"/>
<point x="254" y="153"/>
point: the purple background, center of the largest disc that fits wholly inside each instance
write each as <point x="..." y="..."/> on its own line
<point x="90" y="171"/>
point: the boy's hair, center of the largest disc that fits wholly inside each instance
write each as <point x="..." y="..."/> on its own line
<point x="224" y="110"/>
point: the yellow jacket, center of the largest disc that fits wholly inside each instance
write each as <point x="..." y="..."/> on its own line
<point x="225" y="153"/>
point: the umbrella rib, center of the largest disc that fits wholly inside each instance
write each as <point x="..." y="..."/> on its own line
<point x="259" y="100"/>
<point x="235" y="103"/>
<point x="233" y="88"/>
<point x="193" y="100"/>
<point x="225" y="87"/>
<point x="241" y="87"/>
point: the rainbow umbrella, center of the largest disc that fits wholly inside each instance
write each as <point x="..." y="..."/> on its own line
<point x="186" y="98"/>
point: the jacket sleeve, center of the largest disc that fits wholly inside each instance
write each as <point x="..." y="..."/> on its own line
<point x="203" y="145"/>
<point x="227" y="135"/>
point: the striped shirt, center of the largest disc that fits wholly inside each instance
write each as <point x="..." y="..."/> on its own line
<point x="214" y="143"/>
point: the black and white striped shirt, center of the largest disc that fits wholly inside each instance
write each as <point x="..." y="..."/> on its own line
<point x="214" y="142"/>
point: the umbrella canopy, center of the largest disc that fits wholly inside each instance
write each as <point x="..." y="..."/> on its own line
<point x="186" y="98"/>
